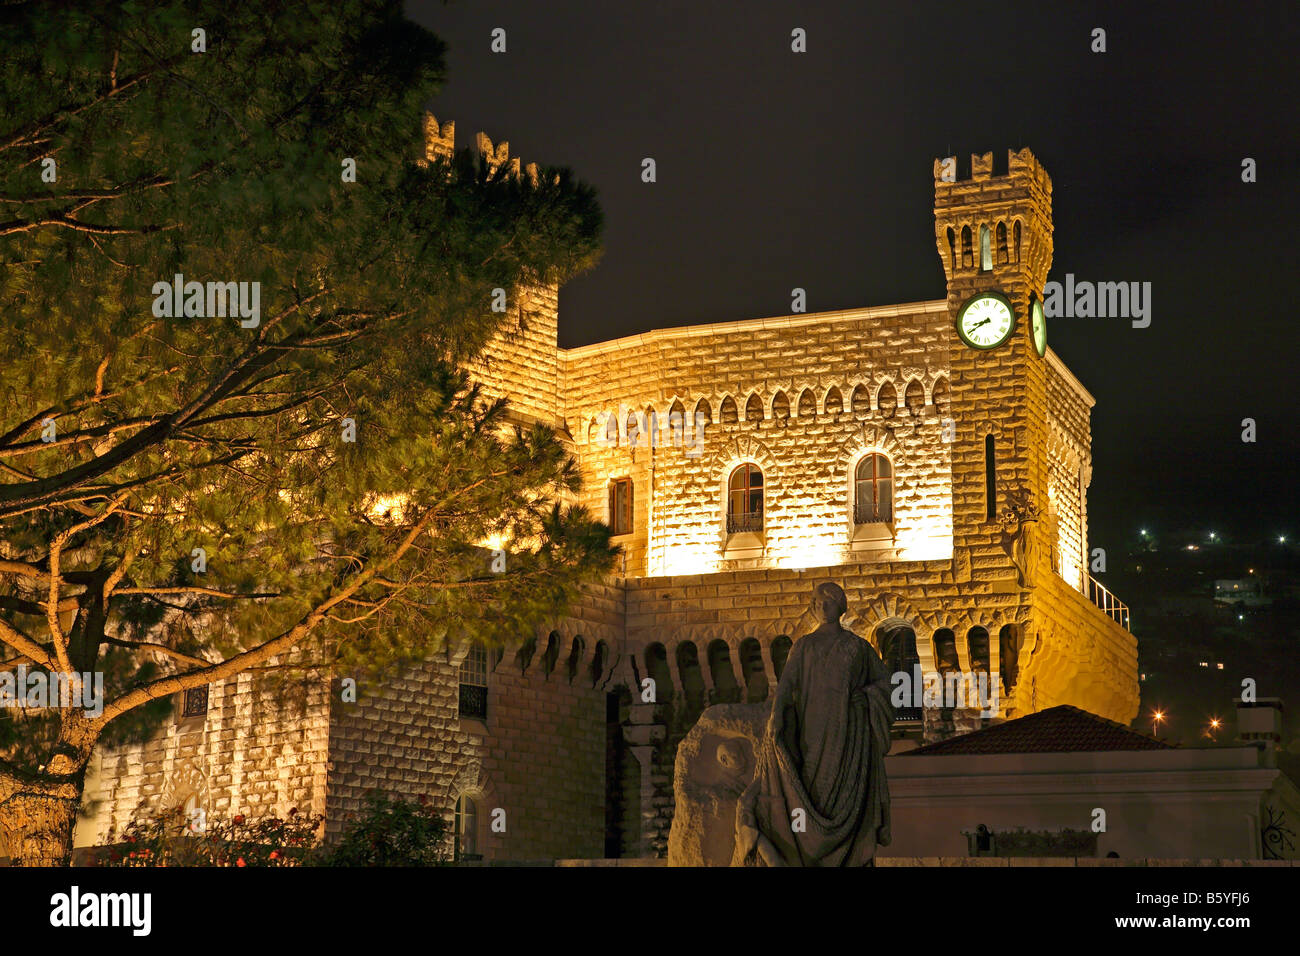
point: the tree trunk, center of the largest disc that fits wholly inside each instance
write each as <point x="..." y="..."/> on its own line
<point x="38" y="811"/>
<point x="38" y="827"/>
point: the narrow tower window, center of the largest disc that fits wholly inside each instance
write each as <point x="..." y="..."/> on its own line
<point x="990" y="479"/>
<point x="986" y="250"/>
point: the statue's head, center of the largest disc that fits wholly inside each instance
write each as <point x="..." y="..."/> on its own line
<point x="829" y="603"/>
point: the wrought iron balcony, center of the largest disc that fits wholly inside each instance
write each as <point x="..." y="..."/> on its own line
<point x="745" y="523"/>
<point x="864" y="512"/>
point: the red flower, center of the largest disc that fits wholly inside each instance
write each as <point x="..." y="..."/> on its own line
<point x="240" y="862"/>
<point x="239" y="818"/>
<point x="275" y="854"/>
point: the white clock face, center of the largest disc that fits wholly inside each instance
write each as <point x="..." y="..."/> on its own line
<point x="1039" y="327"/>
<point x="986" y="321"/>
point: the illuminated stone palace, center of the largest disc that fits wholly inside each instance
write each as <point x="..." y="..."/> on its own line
<point x="932" y="458"/>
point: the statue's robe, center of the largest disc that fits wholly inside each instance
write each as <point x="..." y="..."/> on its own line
<point x="823" y="752"/>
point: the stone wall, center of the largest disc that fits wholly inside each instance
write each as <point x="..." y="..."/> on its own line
<point x="540" y="756"/>
<point x="259" y="751"/>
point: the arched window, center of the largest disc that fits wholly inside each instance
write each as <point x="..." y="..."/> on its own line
<point x="611" y="430"/>
<point x="977" y="649"/>
<point x="656" y="665"/>
<point x="986" y="249"/>
<point x="834" y="402"/>
<point x="652" y="426"/>
<point x="1009" y="656"/>
<point x="807" y="404"/>
<point x="467" y="829"/>
<point x="1002" y="242"/>
<point x="952" y="250"/>
<point x="945" y="651"/>
<point x="873" y="490"/>
<point x="754" y="408"/>
<point x="745" y="500"/>
<point x="967" y="257"/>
<point x="729" y="414"/>
<point x="751" y="668"/>
<point x="688" y="666"/>
<point x="1016" y="235"/>
<point x="633" y="430"/>
<point x="725" y="688"/>
<point x="780" y="652"/>
<point x="898" y="653"/>
<point x="780" y="406"/>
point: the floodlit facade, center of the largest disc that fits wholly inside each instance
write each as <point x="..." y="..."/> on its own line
<point x="932" y="458"/>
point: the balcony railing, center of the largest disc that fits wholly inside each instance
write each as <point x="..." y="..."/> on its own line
<point x="864" y="512"/>
<point x="1116" y="609"/>
<point x="745" y="523"/>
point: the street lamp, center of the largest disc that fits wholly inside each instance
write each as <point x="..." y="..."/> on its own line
<point x="1156" y="717"/>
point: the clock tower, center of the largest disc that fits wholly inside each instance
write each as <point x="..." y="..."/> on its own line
<point x="994" y="236"/>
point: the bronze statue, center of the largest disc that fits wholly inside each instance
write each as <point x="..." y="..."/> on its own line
<point x="819" y="795"/>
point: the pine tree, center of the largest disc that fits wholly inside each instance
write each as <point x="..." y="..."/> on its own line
<point x="181" y="497"/>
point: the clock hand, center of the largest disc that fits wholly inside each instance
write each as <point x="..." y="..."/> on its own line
<point x="983" y="322"/>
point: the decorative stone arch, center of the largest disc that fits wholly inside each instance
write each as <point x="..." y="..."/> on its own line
<point x="940" y="380"/>
<point x="728" y="409"/>
<point x="886" y="399"/>
<point x="833" y="395"/>
<point x="186" y="782"/>
<point x="930" y="382"/>
<point x="988" y="427"/>
<point x="801" y="390"/>
<point x="753" y="407"/>
<point x="704" y="405"/>
<point x="860" y="389"/>
<point x="676" y="429"/>
<point x="889" y="608"/>
<point x="779" y="407"/>
<point x="915" y="387"/>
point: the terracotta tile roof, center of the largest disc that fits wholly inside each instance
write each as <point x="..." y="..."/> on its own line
<point x="1061" y="729"/>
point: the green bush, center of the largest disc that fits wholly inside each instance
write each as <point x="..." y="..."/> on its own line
<point x="389" y="832"/>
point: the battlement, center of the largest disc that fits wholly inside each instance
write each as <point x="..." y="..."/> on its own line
<point x="440" y="143"/>
<point x="1023" y="168"/>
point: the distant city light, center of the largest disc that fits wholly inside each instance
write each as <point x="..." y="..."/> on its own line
<point x="1241" y="617"/>
<point x="1205" y="663"/>
<point x="1192" y="547"/>
<point x="1219" y="665"/>
<point x="1143" y="532"/>
<point x="1213" y="535"/>
<point x="1215" y="722"/>
<point x="1281" y="539"/>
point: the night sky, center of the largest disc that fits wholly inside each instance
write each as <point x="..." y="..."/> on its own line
<point x="778" y="170"/>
